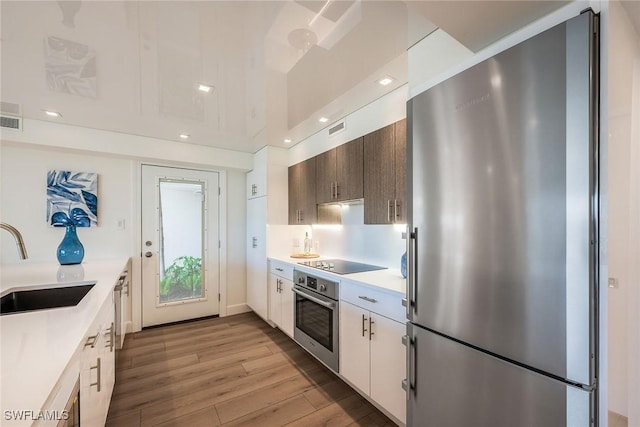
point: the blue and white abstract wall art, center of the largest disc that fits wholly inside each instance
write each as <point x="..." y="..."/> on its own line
<point x="72" y="198"/>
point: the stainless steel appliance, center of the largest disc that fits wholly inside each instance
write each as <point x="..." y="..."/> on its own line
<point x="341" y="266"/>
<point x="316" y="317"/>
<point x="71" y="415"/>
<point x="502" y="250"/>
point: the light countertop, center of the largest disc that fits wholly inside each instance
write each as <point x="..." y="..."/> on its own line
<point x="388" y="279"/>
<point x="37" y="346"/>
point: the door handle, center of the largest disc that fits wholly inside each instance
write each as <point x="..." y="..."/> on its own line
<point x="148" y="254"/>
<point x="110" y="334"/>
<point x="409" y="383"/>
<point x="98" y="369"/>
<point x="371" y="322"/>
<point x="412" y="272"/>
<point x="91" y="341"/>
<point x="364" y="319"/>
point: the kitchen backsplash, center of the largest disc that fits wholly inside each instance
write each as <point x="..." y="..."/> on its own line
<point x="373" y="244"/>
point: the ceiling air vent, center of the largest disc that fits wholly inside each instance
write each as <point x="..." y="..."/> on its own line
<point x="338" y="127"/>
<point x="11" y="115"/>
<point x="10" y="122"/>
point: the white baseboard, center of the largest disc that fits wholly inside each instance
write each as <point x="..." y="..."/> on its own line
<point x="237" y="309"/>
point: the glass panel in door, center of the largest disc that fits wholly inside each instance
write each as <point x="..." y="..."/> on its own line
<point x="181" y="240"/>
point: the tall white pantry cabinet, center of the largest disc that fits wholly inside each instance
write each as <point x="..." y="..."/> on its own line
<point x="266" y="204"/>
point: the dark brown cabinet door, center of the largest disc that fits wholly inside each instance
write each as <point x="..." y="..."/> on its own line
<point x="400" y="211"/>
<point x="302" y="192"/>
<point x="349" y="170"/>
<point x="379" y="176"/>
<point x="308" y="189"/>
<point x="294" y="191"/>
<point x="326" y="176"/>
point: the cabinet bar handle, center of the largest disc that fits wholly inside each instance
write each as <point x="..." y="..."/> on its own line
<point x="98" y="372"/>
<point x="395" y="210"/>
<point x="254" y="242"/>
<point x="91" y="341"/>
<point x="367" y="299"/>
<point x="110" y="335"/>
<point x="388" y="210"/>
<point x="364" y="319"/>
<point x="371" y="322"/>
<point x="279" y="269"/>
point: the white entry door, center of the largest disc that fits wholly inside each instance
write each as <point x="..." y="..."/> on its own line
<point x="180" y="244"/>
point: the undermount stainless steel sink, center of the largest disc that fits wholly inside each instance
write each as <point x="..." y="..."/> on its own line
<point x="39" y="299"/>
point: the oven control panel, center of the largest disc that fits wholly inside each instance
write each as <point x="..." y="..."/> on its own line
<point x="320" y="285"/>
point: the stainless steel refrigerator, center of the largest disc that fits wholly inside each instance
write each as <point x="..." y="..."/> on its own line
<point x="502" y="248"/>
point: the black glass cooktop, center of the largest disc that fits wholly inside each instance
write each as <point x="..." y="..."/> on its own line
<point x="340" y="266"/>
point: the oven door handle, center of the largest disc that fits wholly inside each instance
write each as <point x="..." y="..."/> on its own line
<point x="314" y="299"/>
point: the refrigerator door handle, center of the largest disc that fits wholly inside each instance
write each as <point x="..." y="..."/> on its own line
<point x="412" y="273"/>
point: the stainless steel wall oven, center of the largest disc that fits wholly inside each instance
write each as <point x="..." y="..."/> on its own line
<point x="316" y="317"/>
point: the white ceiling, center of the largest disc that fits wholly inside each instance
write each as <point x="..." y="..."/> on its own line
<point x="276" y="66"/>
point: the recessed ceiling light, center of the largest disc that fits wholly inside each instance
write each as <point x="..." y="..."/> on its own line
<point x="287" y="141"/>
<point x="205" y="88"/>
<point x="52" y="113"/>
<point x="184" y="135"/>
<point x="386" y="80"/>
<point x="323" y="120"/>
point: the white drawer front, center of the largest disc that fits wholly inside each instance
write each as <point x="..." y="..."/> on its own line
<point x="368" y="297"/>
<point x="281" y="269"/>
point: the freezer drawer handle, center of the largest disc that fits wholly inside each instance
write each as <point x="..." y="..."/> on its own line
<point x="409" y="383"/>
<point x="368" y="299"/>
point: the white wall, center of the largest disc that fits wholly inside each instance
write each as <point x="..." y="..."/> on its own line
<point x="624" y="53"/>
<point x="24" y="189"/>
<point x="371" y="244"/>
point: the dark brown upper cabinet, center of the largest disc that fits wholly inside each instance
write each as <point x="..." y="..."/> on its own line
<point x="302" y="192"/>
<point x="339" y="173"/>
<point x="385" y="170"/>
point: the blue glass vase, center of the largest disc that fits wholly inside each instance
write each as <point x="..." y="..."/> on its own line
<point x="403" y="265"/>
<point x="70" y="250"/>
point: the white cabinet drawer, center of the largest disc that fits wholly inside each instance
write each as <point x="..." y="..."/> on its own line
<point x="281" y="269"/>
<point x="388" y="304"/>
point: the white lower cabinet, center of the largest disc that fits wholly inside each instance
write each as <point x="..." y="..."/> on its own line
<point x="97" y="368"/>
<point x="281" y="297"/>
<point x="372" y="356"/>
<point x="257" y="292"/>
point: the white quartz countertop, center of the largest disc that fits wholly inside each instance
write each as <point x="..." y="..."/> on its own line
<point x="388" y="279"/>
<point x="37" y="346"/>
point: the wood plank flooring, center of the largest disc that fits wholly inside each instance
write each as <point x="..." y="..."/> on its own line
<point x="231" y="371"/>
